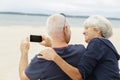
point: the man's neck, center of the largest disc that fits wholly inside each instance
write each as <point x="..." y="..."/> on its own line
<point x="59" y="44"/>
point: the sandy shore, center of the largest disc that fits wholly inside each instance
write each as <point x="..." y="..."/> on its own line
<point x="10" y="38"/>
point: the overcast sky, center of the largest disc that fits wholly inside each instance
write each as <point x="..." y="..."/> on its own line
<point x="109" y="8"/>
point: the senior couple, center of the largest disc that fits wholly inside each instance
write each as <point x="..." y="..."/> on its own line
<point x="63" y="61"/>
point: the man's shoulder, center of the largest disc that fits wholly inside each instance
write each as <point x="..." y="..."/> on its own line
<point x="76" y="46"/>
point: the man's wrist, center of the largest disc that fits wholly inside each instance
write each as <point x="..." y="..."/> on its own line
<point x="24" y="53"/>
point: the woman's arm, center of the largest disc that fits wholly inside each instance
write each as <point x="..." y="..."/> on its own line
<point x="71" y="71"/>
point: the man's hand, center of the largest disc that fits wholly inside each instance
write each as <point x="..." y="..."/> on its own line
<point x="46" y="41"/>
<point x="48" y="54"/>
<point x="25" y="45"/>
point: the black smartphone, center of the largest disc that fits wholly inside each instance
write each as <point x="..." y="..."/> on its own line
<point x="35" y="38"/>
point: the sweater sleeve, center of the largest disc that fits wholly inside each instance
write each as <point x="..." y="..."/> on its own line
<point x="92" y="56"/>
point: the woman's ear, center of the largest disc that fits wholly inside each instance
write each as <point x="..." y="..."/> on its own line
<point x="99" y="32"/>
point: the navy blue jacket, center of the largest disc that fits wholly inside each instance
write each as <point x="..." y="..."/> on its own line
<point x="40" y="69"/>
<point x="100" y="61"/>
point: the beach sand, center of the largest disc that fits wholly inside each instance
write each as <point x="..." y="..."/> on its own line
<point x="11" y="36"/>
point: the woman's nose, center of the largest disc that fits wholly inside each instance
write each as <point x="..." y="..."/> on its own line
<point x="84" y="32"/>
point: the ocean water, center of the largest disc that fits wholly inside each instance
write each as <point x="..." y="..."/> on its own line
<point x="36" y="21"/>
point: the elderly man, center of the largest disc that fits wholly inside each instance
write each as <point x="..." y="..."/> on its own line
<point x="40" y="69"/>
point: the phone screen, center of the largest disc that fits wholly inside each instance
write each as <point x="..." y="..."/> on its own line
<point x="35" y="38"/>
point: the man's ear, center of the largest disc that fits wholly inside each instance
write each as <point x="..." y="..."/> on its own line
<point x="65" y="31"/>
<point x="66" y="35"/>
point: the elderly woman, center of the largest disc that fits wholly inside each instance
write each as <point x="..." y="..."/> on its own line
<point x="100" y="60"/>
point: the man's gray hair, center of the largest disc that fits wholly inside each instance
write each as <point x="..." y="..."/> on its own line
<point x="55" y="24"/>
<point x="100" y="23"/>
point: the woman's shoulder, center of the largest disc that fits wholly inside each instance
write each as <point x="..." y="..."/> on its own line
<point x="103" y="43"/>
<point x="100" y="39"/>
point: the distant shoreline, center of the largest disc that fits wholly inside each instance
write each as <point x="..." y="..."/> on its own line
<point x="36" y="14"/>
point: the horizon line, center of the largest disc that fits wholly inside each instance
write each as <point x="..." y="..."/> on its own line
<point x="46" y="14"/>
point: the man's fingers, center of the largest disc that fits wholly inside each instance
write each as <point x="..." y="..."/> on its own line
<point x="43" y="37"/>
<point x="46" y="41"/>
<point x="24" y="46"/>
<point x="27" y="39"/>
<point x="42" y="43"/>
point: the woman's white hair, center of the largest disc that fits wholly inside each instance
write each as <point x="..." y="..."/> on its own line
<point x="55" y="25"/>
<point x="100" y="23"/>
